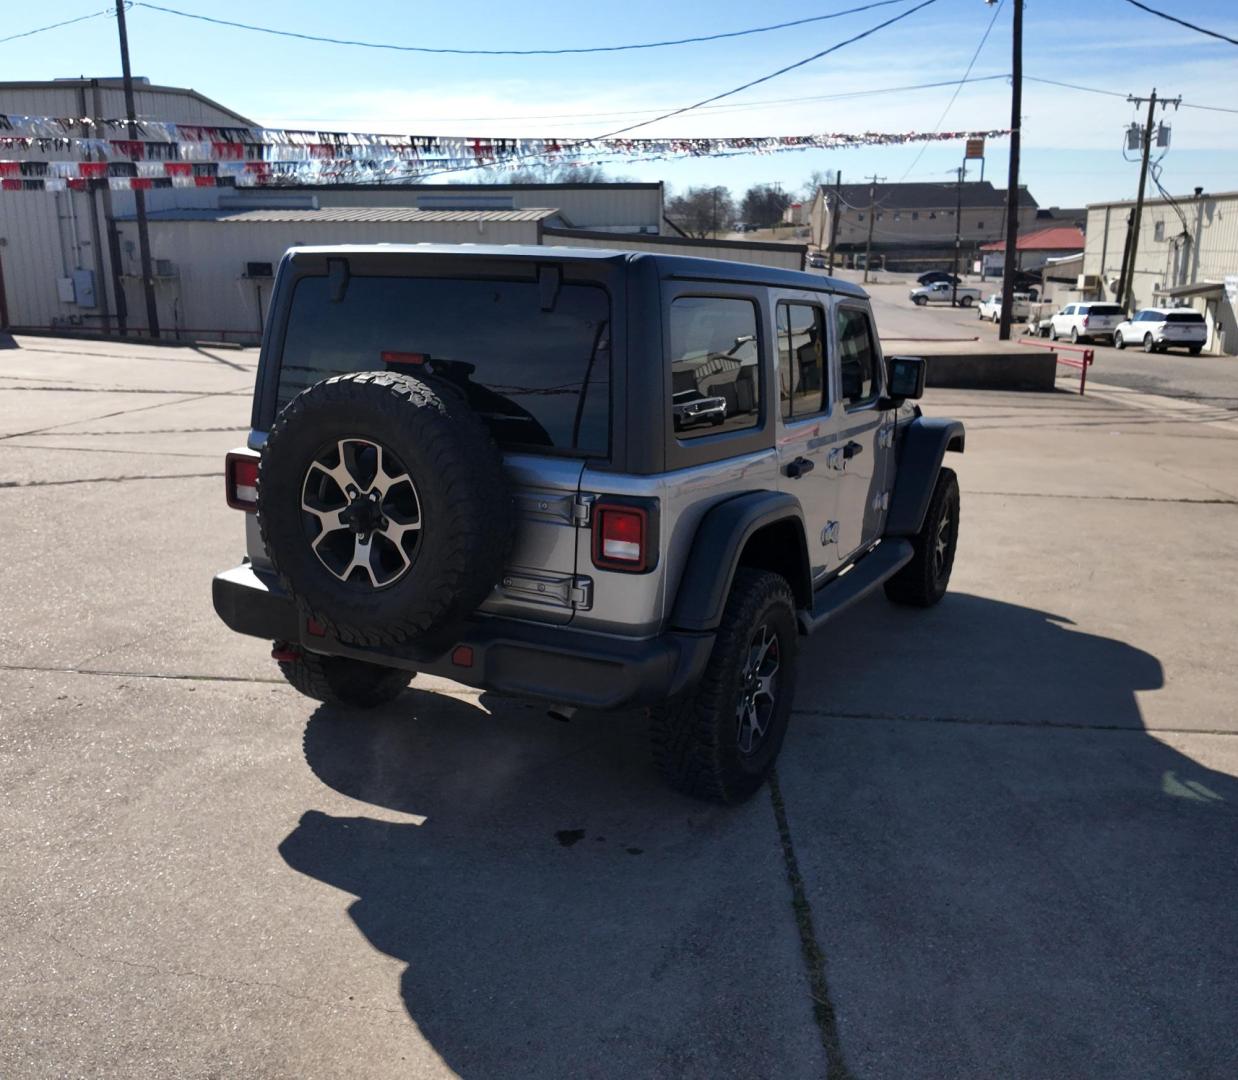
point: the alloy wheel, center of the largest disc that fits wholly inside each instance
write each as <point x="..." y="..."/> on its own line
<point x="361" y="512"/>
<point x="758" y="690"/>
<point x="941" y="546"/>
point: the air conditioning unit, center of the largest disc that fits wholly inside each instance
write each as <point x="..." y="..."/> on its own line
<point x="1088" y="281"/>
<point x="165" y="268"/>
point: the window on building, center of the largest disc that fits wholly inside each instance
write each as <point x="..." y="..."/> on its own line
<point x="933" y="215"/>
<point x="898" y="216"/>
<point x="861" y="217"/>
<point x="802" y="382"/>
<point x="915" y="215"/>
<point x="880" y="215"/>
<point x="979" y="224"/>
<point x="1158" y="231"/>
<point x="715" y="365"/>
<point x="857" y="352"/>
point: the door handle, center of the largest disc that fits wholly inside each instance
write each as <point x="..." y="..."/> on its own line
<point x="798" y="467"/>
<point x="851" y="449"/>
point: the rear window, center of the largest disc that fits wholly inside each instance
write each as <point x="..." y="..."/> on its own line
<point x="540" y="379"/>
<point x="1104" y="309"/>
<point x="1184" y="316"/>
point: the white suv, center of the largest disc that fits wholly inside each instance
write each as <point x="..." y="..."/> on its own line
<point x="1157" y="330"/>
<point x="1086" y="322"/>
<point x="991" y="308"/>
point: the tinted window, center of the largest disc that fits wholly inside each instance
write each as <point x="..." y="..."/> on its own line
<point x="857" y="353"/>
<point x="1105" y="309"/>
<point x="540" y="379"/>
<point x="801" y="370"/>
<point x="715" y="365"/>
<point x="1184" y="316"/>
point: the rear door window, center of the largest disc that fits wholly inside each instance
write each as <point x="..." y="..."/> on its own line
<point x="1184" y="317"/>
<point x="715" y="365"/>
<point x="803" y="387"/>
<point x="539" y="378"/>
<point x="858" y="358"/>
<point x="1105" y="309"/>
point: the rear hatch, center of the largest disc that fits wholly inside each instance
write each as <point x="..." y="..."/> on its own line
<point x="1103" y="318"/>
<point x="533" y="360"/>
<point x="1185" y="326"/>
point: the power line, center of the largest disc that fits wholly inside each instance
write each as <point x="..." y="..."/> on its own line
<point x="54" y="26"/>
<point x="511" y="52"/>
<point x="772" y="75"/>
<point x="1182" y="22"/>
<point x="971" y="64"/>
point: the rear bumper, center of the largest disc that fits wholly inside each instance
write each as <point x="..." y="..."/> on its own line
<point x="551" y="663"/>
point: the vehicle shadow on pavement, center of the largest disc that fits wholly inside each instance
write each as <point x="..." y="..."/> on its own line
<point x="1011" y="877"/>
<point x="558" y="910"/>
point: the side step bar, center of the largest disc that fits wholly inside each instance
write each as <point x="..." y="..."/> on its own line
<point x="872" y="571"/>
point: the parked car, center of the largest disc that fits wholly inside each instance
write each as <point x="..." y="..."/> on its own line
<point x="942" y="292"/>
<point x="931" y="276"/>
<point x="691" y="407"/>
<point x="817" y="260"/>
<point x="497" y="491"/>
<point x="991" y="308"/>
<point x="1159" y="329"/>
<point x="1086" y="322"/>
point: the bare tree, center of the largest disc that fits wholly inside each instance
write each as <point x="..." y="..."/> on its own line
<point x="818" y="178"/>
<point x="700" y="211"/>
<point x="763" y="205"/>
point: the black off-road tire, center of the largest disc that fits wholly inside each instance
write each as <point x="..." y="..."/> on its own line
<point x="464" y="503"/>
<point x="339" y="680"/>
<point x="696" y="740"/>
<point x="923" y="581"/>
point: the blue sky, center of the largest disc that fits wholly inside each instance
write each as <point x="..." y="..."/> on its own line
<point x="1071" y="139"/>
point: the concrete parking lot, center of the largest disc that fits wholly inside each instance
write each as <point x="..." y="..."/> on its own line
<point x="1001" y="842"/>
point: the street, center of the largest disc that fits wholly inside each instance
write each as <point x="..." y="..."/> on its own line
<point x="1000" y="844"/>
<point x="1209" y="380"/>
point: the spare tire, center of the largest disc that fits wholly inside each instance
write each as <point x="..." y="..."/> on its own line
<point x="384" y="508"/>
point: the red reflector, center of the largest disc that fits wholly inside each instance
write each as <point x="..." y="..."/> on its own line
<point x="285" y="652"/>
<point x="241" y="480"/>
<point x="462" y="656"/>
<point x="389" y="357"/>
<point x="315" y="628"/>
<point x="619" y="539"/>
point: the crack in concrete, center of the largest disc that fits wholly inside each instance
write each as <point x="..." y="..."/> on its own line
<point x="11" y="484"/>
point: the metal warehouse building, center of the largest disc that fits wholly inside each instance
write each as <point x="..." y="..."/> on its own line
<point x="66" y="256"/>
<point x="1187" y="254"/>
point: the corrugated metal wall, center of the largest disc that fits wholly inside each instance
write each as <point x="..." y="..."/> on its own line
<point x="45" y="236"/>
<point x="208" y="295"/>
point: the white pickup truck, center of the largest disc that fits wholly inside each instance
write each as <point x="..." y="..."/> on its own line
<point x="1020" y="308"/>
<point x="941" y="292"/>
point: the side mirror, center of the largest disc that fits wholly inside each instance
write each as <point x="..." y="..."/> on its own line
<point x="905" y="378"/>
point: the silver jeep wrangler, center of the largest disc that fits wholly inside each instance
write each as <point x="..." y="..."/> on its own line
<point x="600" y="479"/>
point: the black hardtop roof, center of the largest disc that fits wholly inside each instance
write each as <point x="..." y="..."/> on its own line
<point x="668" y="266"/>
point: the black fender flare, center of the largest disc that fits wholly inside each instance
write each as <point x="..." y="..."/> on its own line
<point x="719" y="543"/>
<point x="922" y="445"/>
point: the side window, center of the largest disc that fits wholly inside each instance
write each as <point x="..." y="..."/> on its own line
<point x="1069" y="309"/>
<point x="802" y="386"/>
<point x="857" y="352"/>
<point x="715" y="365"/>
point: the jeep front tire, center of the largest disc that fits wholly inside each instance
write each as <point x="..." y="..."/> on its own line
<point x="922" y="582"/>
<point x="720" y="742"/>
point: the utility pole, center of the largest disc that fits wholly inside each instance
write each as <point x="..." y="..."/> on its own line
<point x="838" y="209"/>
<point x="139" y="196"/>
<point x="1012" y="179"/>
<point x="872" y="214"/>
<point x="960" y="172"/>
<point x="1127" y="296"/>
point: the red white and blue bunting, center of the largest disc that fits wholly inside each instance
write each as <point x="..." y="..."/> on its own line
<point x="77" y="153"/>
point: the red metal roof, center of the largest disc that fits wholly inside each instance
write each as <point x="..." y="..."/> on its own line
<point x="1054" y="238"/>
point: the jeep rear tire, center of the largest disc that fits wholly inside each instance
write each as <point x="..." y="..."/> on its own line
<point x="338" y="680"/>
<point x="922" y="582"/>
<point x="720" y="742"/>
<point x="384" y="508"/>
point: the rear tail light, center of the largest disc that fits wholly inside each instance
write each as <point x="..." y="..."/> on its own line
<point x="241" y="480"/>
<point x="622" y="538"/>
<point x="1085" y="319"/>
